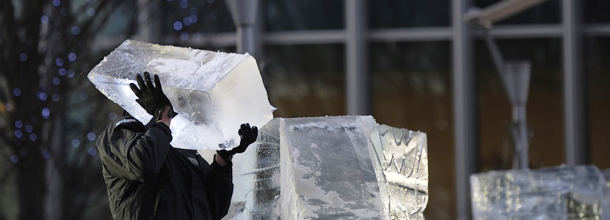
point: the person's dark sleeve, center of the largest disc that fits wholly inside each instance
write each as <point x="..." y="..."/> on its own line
<point x="130" y="152"/>
<point x="219" y="185"/>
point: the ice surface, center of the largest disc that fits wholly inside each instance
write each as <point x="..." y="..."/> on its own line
<point x="326" y="169"/>
<point x="400" y="157"/>
<point x="332" y="179"/>
<point x="256" y="175"/>
<point x="213" y="92"/>
<point x="565" y="192"/>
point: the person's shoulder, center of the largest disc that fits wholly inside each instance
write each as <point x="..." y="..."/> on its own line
<point x="125" y="121"/>
<point x="128" y="123"/>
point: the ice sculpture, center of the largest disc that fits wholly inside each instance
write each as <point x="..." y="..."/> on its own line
<point x="213" y="92"/>
<point x="327" y="172"/>
<point x="332" y="168"/>
<point x="400" y="157"/>
<point x="565" y="192"/>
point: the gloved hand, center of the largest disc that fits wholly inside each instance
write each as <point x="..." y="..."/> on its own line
<point x="151" y="98"/>
<point x="248" y="136"/>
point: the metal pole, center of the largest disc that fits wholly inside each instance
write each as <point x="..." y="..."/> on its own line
<point x="246" y="37"/>
<point x="516" y="80"/>
<point x="521" y="136"/>
<point x="574" y="82"/>
<point x="464" y="110"/>
<point x="357" y="78"/>
<point x="244" y="14"/>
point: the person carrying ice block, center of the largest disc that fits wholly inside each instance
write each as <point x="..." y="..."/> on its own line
<point x="147" y="178"/>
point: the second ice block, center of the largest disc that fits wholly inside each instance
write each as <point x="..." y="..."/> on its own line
<point x="326" y="169"/>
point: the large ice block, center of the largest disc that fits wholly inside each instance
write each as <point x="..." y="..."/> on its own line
<point x="213" y="92"/>
<point x="400" y="158"/>
<point x="326" y="169"/>
<point x="565" y="192"/>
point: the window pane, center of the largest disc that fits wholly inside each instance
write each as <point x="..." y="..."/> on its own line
<point x="284" y="15"/>
<point x="597" y="67"/>
<point x="400" y="13"/>
<point x="211" y="16"/>
<point x="411" y="87"/>
<point x="548" y="12"/>
<point x="305" y="80"/>
<point x="596" y="11"/>
<point x="544" y="106"/>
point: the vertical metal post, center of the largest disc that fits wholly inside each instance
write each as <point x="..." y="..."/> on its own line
<point x="245" y="40"/>
<point x="357" y="78"/>
<point x="464" y="109"/>
<point x="244" y="16"/>
<point x="574" y="83"/>
<point x="520" y="137"/>
<point x="516" y="78"/>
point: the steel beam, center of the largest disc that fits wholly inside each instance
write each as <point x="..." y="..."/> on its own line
<point x="377" y="35"/>
<point x="574" y="86"/>
<point x="357" y="78"/>
<point x="244" y="16"/>
<point x="411" y="34"/>
<point x="305" y="37"/>
<point x="464" y="109"/>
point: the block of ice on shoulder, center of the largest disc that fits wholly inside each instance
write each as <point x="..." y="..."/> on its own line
<point x="326" y="169"/>
<point x="564" y="192"/>
<point x="213" y="92"/>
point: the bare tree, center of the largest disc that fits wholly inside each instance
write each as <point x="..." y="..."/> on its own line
<point x="49" y="110"/>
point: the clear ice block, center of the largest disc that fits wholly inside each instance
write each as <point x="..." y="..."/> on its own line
<point x="400" y="157"/>
<point x="327" y="167"/>
<point x="565" y="192"/>
<point x="213" y="92"/>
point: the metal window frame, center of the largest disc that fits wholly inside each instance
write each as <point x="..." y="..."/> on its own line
<point x="229" y="39"/>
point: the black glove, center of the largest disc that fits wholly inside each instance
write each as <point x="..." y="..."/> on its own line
<point x="151" y="98"/>
<point x="248" y="136"/>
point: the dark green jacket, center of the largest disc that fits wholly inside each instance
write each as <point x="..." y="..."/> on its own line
<point x="146" y="178"/>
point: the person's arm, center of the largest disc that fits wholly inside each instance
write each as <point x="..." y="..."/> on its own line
<point x="130" y="152"/>
<point x="219" y="182"/>
<point x="219" y="188"/>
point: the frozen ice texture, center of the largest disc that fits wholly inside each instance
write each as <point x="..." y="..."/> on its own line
<point x="256" y="175"/>
<point x="400" y="158"/>
<point x="565" y="192"/>
<point x="326" y="169"/>
<point x="330" y="180"/>
<point x="213" y="92"/>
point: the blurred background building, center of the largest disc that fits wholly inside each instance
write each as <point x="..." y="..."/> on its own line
<point x="411" y="64"/>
